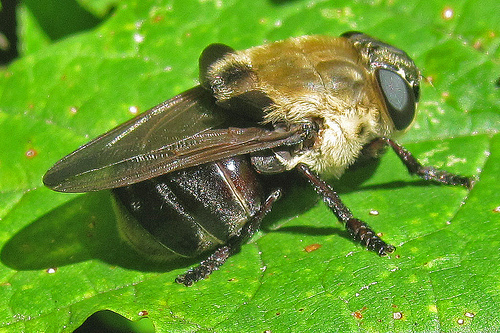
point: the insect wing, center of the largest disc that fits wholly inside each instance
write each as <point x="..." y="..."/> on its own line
<point x="102" y="162"/>
<point x="176" y="134"/>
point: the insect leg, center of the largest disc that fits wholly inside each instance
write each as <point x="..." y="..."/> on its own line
<point x="219" y="257"/>
<point x="428" y="172"/>
<point x="359" y="230"/>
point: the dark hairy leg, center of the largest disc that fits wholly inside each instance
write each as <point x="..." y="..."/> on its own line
<point x="359" y="230"/>
<point x="427" y="172"/>
<point x="219" y="257"/>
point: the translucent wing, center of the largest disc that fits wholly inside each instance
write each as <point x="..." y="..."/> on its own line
<point x="181" y="132"/>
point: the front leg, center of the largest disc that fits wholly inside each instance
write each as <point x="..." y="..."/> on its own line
<point x="359" y="230"/>
<point x="219" y="257"/>
<point x="427" y="173"/>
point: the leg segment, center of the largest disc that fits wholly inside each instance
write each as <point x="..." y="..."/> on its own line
<point x="427" y="173"/>
<point x="358" y="229"/>
<point x="219" y="257"/>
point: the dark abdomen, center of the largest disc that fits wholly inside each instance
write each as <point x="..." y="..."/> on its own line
<point x="191" y="210"/>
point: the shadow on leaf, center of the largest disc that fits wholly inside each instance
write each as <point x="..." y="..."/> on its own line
<point x="82" y="229"/>
<point x="59" y="19"/>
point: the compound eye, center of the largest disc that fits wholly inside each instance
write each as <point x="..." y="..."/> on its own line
<point x="399" y="97"/>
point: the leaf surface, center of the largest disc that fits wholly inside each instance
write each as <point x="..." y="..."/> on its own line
<point x="444" y="273"/>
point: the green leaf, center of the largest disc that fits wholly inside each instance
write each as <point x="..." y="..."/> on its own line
<point x="444" y="273"/>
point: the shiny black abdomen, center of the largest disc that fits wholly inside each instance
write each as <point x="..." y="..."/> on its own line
<point x="193" y="210"/>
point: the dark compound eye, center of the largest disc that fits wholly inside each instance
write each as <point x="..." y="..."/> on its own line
<point x="399" y="97"/>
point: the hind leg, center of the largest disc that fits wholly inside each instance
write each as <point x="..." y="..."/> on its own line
<point x="219" y="257"/>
